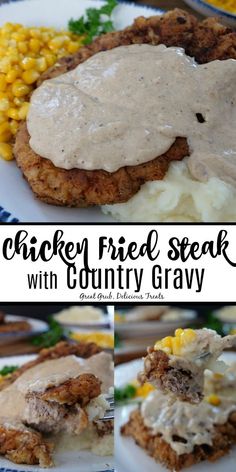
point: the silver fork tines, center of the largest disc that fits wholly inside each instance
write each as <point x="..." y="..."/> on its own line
<point x="109" y="414"/>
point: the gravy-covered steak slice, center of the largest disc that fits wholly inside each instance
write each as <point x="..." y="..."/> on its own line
<point x="176" y="364"/>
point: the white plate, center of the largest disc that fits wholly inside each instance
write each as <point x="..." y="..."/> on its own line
<point x="16" y="198"/>
<point x="154" y="328"/>
<point x="207" y="9"/>
<point x="72" y="461"/>
<point x="37" y="327"/>
<point x="130" y="457"/>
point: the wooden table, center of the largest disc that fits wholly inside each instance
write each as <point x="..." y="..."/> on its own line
<point x="17" y="348"/>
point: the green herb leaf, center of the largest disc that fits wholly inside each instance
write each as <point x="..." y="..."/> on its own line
<point x="108" y="8"/>
<point x="8" y="369"/>
<point x="126" y="393"/>
<point x="51" y="337"/>
<point x="95" y="22"/>
<point x="214" y="323"/>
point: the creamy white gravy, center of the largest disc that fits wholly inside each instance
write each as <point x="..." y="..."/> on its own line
<point x="206" y="345"/>
<point x="126" y="106"/>
<point x="48" y="374"/>
<point x="193" y="423"/>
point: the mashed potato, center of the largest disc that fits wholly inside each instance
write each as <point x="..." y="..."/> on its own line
<point x="79" y="314"/>
<point x="178" y="197"/>
<point x="87" y="440"/>
<point x="227" y="313"/>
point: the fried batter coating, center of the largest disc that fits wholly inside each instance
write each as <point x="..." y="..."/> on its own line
<point x="161" y="451"/>
<point x="206" y="41"/>
<point x="25" y="447"/>
<point x="177" y="379"/>
<point x="61" y="349"/>
<point x="82" y="188"/>
<point x="80" y="390"/>
<point x="14" y="326"/>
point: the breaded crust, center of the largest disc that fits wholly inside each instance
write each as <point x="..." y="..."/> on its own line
<point x="25" y="447"/>
<point x="205" y="41"/>
<point x="14" y="326"/>
<point x="80" y="390"/>
<point x="177" y="379"/>
<point x="81" y="188"/>
<point x="61" y="349"/>
<point x="224" y="437"/>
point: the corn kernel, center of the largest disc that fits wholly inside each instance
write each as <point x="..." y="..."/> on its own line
<point x="28" y="63"/>
<point x="23" y="111"/>
<point x="25" y="31"/>
<point x="6" y="136"/>
<point x="30" y="76"/>
<point x="2" y="117"/>
<point x="16" y="26"/>
<point x="18" y="36"/>
<point x="5" y="132"/>
<point x="167" y="342"/>
<point x="218" y="376"/>
<point x="51" y="59"/>
<point x="18" y="101"/>
<point x="3" y="83"/>
<point x="35" y="33"/>
<point x="144" y="390"/>
<point x="14" y="127"/>
<point x="72" y="47"/>
<point x="13" y="113"/>
<point x="5" y="65"/>
<point x="11" y="76"/>
<point x="213" y="399"/>
<point x="6" y="151"/>
<point x="188" y="336"/>
<point x="178" y="331"/>
<point x="41" y="64"/>
<point x="34" y="45"/>
<point x="22" y="47"/>
<point x="176" y="346"/>
<point x="18" y="69"/>
<point x="9" y="93"/>
<point x="7" y="28"/>
<point x="56" y="43"/>
<point x="20" y="89"/>
<point x="4" y="104"/>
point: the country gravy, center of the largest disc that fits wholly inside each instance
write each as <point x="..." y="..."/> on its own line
<point x="48" y="374"/>
<point x="126" y="106"/>
<point x="193" y="423"/>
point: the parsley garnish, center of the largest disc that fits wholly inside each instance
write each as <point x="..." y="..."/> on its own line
<point x="51" y="337"/>
<point x="8" y="369"/>
<point x="95" y="22"/>
<point x="126" y="393"/>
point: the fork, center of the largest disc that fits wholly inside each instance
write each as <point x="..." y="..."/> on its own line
<point x="109" y="414"/>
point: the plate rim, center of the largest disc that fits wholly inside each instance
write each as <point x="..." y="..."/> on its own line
<point x="215" y="10"/>
<point x="26" y="333"/>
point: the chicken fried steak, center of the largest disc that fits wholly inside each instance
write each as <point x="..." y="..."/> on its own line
<point x="61" y="349"/>
<point x="62" y="408"/>
<point x="25" y="447"/>
<point x="205" y="41"/>
<point x="223" y="438"/>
